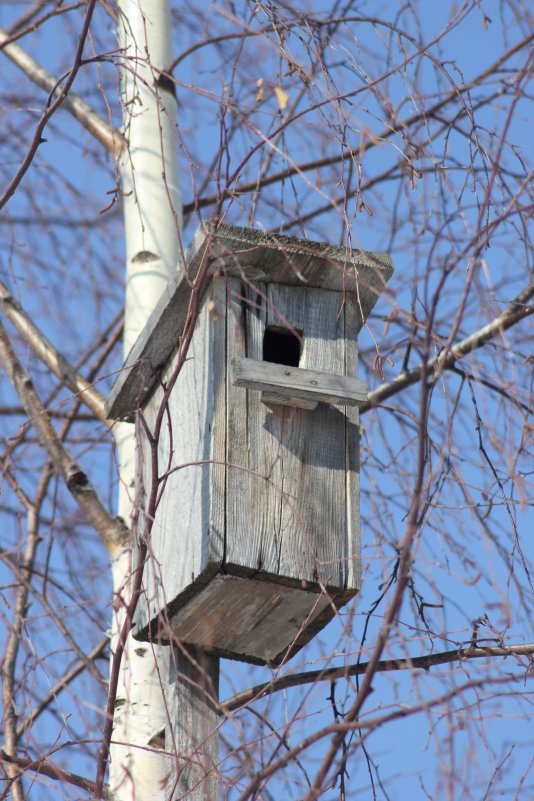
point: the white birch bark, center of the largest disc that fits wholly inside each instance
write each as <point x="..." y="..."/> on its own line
<point x="152" y="211"/>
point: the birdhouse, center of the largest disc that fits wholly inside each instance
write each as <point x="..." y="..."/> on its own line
<point x="255" y="543"/>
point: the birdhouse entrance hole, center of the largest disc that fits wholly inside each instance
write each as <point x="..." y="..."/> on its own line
<point x="282" y="345"/>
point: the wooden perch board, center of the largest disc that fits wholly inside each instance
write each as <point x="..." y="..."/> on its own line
<point x="284" y="385"/>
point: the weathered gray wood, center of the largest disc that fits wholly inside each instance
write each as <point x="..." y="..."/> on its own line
<point x="253" y="256"/>
<point x="288" y="463"/>
<point x="279" y="399"/>
<point x="188" y="531"/>
<point x="194" y="722"/>
<point x="295" y="383"/>
<point x="262" y="256"/>
<point x="151" y="351"/>
<point x="250" y="618"/>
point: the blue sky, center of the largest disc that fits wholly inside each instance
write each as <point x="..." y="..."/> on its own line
<point x="459" y="569"/>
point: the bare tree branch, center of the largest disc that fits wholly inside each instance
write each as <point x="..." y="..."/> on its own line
<point x="111" y="531"/>
<point x="385" y="665"/>
<point x="60" y="685"/>
<point x="30" y="20"/>
<point x="340" y="729"/>
<point x="52" y="105"/>
<point x="55" y="360"/>
<point x="517" y="310"/>
<point x="364" y="147"/>
<point x="13" y="639"/>
<point x="47" y="768"/>
<point x="102" y="131"/>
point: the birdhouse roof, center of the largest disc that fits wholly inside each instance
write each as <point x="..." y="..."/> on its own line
<point x="254" y="256"/>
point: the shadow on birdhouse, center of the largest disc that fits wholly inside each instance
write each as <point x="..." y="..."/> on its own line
<point x="256" y="539"/>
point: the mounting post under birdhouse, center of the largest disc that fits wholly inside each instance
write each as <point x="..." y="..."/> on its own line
<point x="256" y="541"/>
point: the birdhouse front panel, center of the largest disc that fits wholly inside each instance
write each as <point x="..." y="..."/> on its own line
<point x="298" y="466"/>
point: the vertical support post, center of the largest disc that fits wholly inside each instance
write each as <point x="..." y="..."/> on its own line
<point x="192" y="730"/>
<point x="152" y="219"/>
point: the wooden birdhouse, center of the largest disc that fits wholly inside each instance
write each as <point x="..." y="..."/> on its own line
<point x="256" y="539"/>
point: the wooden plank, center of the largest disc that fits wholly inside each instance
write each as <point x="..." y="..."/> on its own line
<point x="311" y="468"/>
<point x="246" y="489"/>
<point x="252" y="256"/>
<point x="260" y="256"/>
<point x="279" y="399"/>
<point x="290" y="383"/>
<point x="215" y="423"/>
<point x="161" y="335"/>
<point x="151" y="351"/>
<point x="247" y="618"/>
<point x="286" y="485"/>
<point x="192" y="730"/>
<point x="187" y="536"/>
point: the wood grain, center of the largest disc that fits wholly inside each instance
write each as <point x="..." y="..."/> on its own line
<point x="188" y="536"/>
<point x="286" y="482"/>
<point x="289" y="384"/>
<point x="192" y="729"/>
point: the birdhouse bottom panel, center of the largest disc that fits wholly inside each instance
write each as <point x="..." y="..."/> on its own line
<point x="253" y="620"/>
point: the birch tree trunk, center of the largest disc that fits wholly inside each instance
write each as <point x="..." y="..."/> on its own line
<point x="152" y="216"/>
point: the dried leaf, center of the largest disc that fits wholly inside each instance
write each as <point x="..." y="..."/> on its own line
<point x="282" y="97"/>
<point x="394" y="313"/>
<point x="260" y="94"/>
<point x="362" y="206"/>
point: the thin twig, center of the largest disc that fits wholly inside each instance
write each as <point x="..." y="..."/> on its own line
<point x="14" y="637"/>
<point x="60" y="95"/>
<point x="102" y="131"/>
<point x="364" y="147"/>
<point x="60" y="685"/>
<point x="49" y="769"/>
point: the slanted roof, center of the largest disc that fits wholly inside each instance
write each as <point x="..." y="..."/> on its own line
<point x="254" y="256"/>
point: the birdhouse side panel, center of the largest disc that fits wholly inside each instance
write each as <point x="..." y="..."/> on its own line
<point x="286" y="482"/>
<point x="186" y="544"/>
